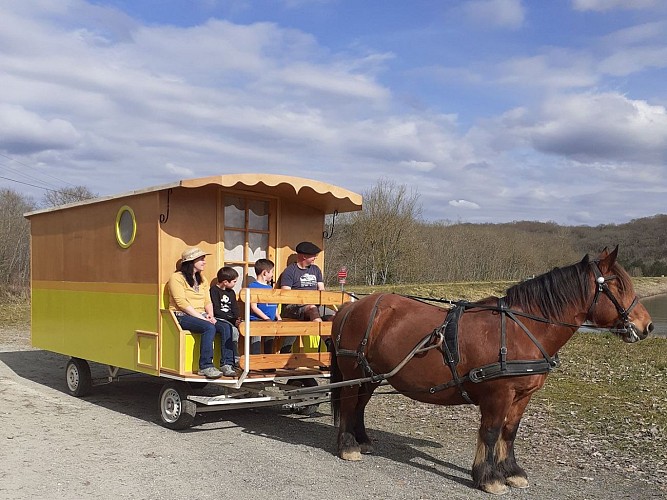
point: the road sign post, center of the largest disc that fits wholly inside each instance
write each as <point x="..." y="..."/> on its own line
<point x="342" y="277"/>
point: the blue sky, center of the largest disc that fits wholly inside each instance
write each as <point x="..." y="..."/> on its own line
<point x="490" y="110"/>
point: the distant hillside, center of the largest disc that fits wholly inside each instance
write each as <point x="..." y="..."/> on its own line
<point x="642" y="242"/>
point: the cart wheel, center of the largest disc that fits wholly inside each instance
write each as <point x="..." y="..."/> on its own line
<point x="310" y="409"/>
<point x="176" y="412"/>
<point x="78" y="378"/>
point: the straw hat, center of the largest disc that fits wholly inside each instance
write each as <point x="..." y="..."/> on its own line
<point x="192" y="254"/>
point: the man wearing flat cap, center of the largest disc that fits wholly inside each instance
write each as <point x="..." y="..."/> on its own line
<point x="302" y="275"/>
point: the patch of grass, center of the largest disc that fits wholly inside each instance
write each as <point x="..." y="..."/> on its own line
<point x="476" y="290"/>
<point x="612" y="390"/>
<point x="450" y="291"/>
<point x="15" y="308"/>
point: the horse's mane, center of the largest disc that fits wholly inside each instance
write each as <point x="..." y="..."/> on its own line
<point x="551" y="293"/>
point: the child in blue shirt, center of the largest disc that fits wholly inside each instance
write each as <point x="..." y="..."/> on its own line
<point x="263" y="312"/>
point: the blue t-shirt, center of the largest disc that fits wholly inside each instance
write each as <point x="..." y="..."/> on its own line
<point x="268" y="309"/>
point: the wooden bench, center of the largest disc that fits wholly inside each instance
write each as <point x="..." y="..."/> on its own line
<point x="287" y="328"/>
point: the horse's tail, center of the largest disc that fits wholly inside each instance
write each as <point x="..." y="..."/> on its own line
<point x="336" y="376"/>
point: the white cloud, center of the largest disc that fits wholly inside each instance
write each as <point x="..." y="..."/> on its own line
<point x="605" y="5"/>
<point x="601" y="126"/>
<point x="464" y="204"/>
<point x="23" y="131"/>
<point x="636" y="59"/>
<point x="181" y="172"/>
<point x="421" y="166"/>
<point x="500" y="13"/>
<point x="555" y="69"/>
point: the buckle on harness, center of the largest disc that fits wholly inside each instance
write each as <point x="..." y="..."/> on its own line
<point x="476" y="375"/>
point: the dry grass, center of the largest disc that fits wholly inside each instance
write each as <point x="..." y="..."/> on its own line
<point x="15" y="308"/>
<point x="449" y="291"/>
<point x="613" y="392"/>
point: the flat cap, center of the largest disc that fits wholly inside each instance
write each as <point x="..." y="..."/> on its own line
<point x="308" y="248"/>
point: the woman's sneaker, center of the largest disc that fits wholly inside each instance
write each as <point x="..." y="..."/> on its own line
<point x="210" y="372"/>
<point x="228" y="371"/>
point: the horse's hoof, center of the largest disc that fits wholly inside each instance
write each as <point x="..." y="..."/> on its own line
<point x="352" y="455"/>
<point x="366" y="448"/>
<point x="518" y="482"/>
<point x="495" y="488"/>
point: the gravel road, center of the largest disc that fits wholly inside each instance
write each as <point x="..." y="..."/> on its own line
<point x="111" y="445"/>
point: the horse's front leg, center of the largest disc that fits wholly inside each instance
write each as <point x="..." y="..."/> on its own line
<point x="514" y="475"/>
<point x="491" y="450"/>
<point x="348" y="446"/>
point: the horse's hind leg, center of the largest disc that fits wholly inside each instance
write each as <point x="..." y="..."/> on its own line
<point x="348" y="446"/>
<point x="514" y="475"/>
<point x="364" y="396"/>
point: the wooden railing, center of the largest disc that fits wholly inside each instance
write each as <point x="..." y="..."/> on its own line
<point x="308" y="333"/>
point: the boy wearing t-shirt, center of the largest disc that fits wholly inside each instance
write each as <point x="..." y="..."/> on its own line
<point x="225" y="306"/>
<point x="263" y="312"/>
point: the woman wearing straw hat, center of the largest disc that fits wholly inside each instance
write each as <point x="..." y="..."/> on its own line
<point x="190" y="300"/>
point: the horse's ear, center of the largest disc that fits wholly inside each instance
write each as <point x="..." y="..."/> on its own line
<point x="608" y="260"/>
<point x="604" y="253"/>
<point x="585" y="260"/>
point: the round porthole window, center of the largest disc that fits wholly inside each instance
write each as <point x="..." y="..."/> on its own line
<point x="126" y="227"/>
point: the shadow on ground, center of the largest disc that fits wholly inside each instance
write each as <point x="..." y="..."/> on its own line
<point x="136" y="395"/>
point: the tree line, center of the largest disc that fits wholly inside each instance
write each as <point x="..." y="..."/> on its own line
<point x="388" y="242"/>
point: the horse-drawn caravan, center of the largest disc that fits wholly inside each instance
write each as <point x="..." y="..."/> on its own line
<point x="100" y="268"/>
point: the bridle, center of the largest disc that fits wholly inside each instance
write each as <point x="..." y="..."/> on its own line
<point x="602" y="287"/>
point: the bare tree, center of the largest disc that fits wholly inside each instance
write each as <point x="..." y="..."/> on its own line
<point x="67" y="195"/>
<point x="377" y="243"/>
<point x="14" y="238"/>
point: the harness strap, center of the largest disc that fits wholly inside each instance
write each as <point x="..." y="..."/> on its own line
<point x="503" y="334"/>
<point x="513" y="369"/>
<point x="359" y="353"/>
<point x="548" y="358"/>
<point x="449" y="357"/>
<point x="503" y="368"/>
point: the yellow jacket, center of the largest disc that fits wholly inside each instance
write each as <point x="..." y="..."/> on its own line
<point x="182" y="295"/>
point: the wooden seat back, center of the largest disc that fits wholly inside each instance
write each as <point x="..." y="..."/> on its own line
<point x="317" y="331"/>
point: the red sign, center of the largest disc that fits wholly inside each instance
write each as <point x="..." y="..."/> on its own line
<point x="342" y="275"/>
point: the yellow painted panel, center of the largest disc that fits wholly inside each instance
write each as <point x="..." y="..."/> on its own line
<point x="172" y="355"/>
<point x="147" y="350"/>
<point x="192" y="347"/>
<point x="170" y="345"/>
<point x="97" y="326"/>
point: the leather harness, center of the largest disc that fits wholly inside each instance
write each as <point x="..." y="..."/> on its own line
<point x="445" y="338"/>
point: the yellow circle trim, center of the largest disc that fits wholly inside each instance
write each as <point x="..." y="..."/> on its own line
<point x="119" y="236"/>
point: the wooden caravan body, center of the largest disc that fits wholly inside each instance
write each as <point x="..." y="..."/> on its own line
<point x="100" y="267"/>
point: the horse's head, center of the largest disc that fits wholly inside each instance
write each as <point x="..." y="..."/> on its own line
<point x="615" y="304"/>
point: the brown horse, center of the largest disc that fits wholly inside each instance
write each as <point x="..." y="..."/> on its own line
<point x="495" y="354"/>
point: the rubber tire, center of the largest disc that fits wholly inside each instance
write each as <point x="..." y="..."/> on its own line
<point x="77" y="377"/>
<point x="176" y="412"/>
<point x="310" y="409"/>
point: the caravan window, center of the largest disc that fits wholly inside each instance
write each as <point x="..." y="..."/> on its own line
<point x="246" y="234"/>
<point x="126" y="227"/>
